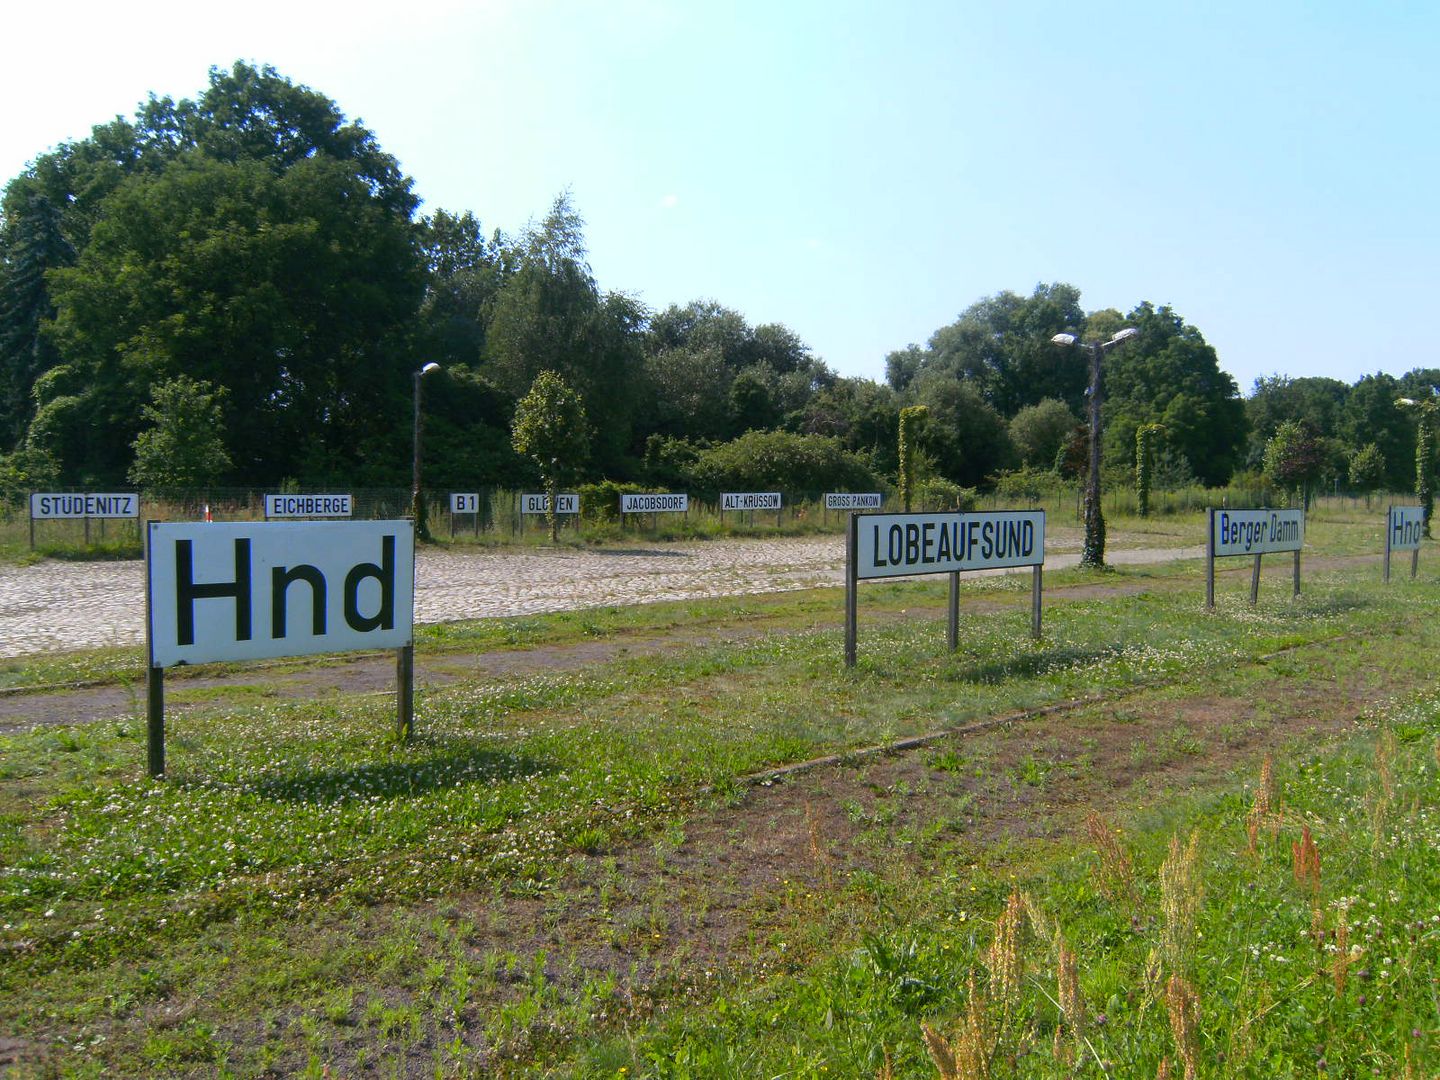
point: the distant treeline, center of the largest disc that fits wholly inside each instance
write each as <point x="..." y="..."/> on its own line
<point x="237" y="289"/>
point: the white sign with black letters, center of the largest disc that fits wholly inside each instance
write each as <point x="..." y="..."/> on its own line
<point x="898" y="545"/>
<point x="1406" y="528"/>
<point x="565" y="503"/>
<point x="854" y="500"/>
<point x="465" y="502"/>
<point x="892" y="545"/>
<point x="45" y="506"/>
<point x="308" y="506"/>
<point x="750" y="500"/>
<point x="654" y="504"/>
<point x="250" y="590"/>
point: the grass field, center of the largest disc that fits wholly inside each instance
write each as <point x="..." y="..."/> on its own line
<point x="606" y="865"/>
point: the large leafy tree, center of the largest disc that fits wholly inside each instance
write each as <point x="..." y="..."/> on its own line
<point x="1372" y="415"/>
<point x="252" y="238"/>
<point x="185" y="444"/>
<point x="1295" y="458"/>
<point x="550" y="429"/>
<point x="551" y="316"/>
<point x="1170" y="375"/>
<point x="1000" y="345"/>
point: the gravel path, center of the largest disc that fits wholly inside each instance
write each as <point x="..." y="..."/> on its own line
<point x="54" y="606"/>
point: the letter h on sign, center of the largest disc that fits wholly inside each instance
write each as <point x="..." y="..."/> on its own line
<point x="187" y="591"/>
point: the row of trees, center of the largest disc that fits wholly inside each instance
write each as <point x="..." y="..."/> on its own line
<point x="236" y="290"/>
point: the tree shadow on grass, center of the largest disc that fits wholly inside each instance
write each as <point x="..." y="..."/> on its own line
<point x="1029" y="664"/>
<point x="451" y="766"/>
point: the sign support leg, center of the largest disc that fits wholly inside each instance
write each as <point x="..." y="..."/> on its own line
<point x="852" y="534"/>
<point x="1036" y="580"/>
<point x="405" y="692"/>
<point x="155" y="722"/>
<point x="1210" y="560"/>
<point x="952" y="626"/>
<point x="1414" y="563"/>
<point x="1255" y="582"/>
<point x="1297" y="573"/>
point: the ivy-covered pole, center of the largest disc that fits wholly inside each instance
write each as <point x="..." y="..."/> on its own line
<point x="1424" y="454"/>
<point x="911" y="419"/>
<point x="1145" y="464"/>
<point x="1424" y="468"/>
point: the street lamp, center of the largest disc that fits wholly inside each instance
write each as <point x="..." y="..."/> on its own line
<point x="1093" y="554"/>
<point x="417" y="504"/>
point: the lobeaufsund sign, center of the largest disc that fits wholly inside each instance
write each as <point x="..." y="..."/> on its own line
<point x="900" y="545"/>
<point x="892" y="545"/>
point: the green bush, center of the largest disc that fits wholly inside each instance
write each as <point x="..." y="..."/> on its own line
<point x="783" y="461"/>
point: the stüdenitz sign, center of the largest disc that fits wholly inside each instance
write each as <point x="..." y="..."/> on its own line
<point x="46" y="506"/>
<point x="252" y="590"/>
<point x="897" y="545"/>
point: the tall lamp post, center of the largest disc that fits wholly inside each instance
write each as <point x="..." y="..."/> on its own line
<point x="417" y="503"/>
<point x="1093" y="554"/>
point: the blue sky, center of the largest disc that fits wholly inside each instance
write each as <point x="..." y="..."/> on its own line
<point x="864" y="171"/>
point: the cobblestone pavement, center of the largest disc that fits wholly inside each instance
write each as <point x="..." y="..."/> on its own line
<point x="63" y="605"/>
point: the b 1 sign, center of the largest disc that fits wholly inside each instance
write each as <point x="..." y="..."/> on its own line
<point x="251" y="590"/>
<point x="464" y="502"/>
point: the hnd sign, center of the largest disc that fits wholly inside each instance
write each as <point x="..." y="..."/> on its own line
<point x="249" y="590"/>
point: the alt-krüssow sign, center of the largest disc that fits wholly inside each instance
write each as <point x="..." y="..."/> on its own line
<point x="565" y="503"/>
<point x="308" y="506"/>
<point x="892" y="545"/>
<point x="45" y="506"/>
<point x="251" y="590"/>
<point x="750" y="500"/>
